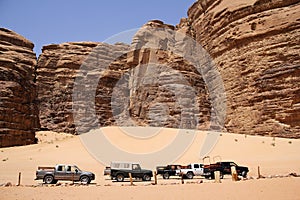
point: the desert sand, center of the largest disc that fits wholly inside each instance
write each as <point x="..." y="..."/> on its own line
<point x="276" y="157"/>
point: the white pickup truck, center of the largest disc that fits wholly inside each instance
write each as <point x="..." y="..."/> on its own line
<point x="193" y="169"/>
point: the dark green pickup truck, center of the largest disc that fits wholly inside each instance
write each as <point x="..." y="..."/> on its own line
<point x="120" y="170"/>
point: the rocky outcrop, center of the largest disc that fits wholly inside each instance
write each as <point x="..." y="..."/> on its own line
<point x="248" y="83"/>
<point x="256" y="55"/>
<point x="255" y="45"/>
<point x="58" y="67"/>
<point x="18" y="107"/>
<point x="88" y="85"/>
<point x="166" y="89"/>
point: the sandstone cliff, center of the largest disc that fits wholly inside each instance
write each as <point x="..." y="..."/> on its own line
<point x="250" y="86"/>
<point x="166" y="89"/>
<point x="18" y="107"/>
<point x="58" y="67"/>
<point x="88" y="85"/>
<point x="255" y="45"/>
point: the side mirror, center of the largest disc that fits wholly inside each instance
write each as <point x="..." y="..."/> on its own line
<point x="76" y="171"/>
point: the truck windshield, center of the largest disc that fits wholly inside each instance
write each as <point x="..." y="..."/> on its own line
<point x="136" y="167"/>
<point x="75" y="167"/>
<point x="72" y="169"/>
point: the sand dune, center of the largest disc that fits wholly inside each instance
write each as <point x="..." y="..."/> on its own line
<point x="275" y="156"/>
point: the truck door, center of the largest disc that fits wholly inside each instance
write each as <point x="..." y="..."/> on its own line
<point x="226" y="167"/>
<point x="136" y="170"/>
<point x="72" y="173"/>
<point x="60" y="172"/>
<point x="198" y="170"/>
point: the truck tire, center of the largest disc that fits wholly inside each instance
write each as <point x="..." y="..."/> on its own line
<point x="166" y="175"/>
<point x="207" y="176"/>
<point x="146" y="177"/>
<point x="49" y="179"/>
<point x="190" y="175"/>
<point x="120" y="177"/>
<point x="85" y="179"/>
<point x="244" y="174"/>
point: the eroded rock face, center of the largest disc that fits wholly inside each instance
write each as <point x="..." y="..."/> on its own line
<point x="18" y="108"/>
<point x="256" y="46"/>
<point x="83" y="85"/>
<point x="89" y="85"/>
<point x="166" y="90"/>
<point x="58" y="67"/>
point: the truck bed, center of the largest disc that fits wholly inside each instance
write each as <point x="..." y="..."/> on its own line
<point x="46" y="168"/>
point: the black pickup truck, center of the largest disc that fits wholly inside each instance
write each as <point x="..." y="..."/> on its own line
<point x="225" y="168"/>
<point x="120" y="170"/>
<point x="167" y="171"/>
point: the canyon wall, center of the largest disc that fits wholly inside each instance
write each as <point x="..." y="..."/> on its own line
<point x="256" y="46"/>
<point x="82" y="86"/>
<point x="18" y="106"/>
<point x="166" y="89"/>
<point x="250" y="85"/>
<point x="58" y="67"/>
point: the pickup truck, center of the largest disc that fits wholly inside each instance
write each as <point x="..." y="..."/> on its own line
<point x="193" y="169"/>
<point x="167" y="171"/>
<point x="225" y="168"/>
<point x="50" y="175"/>
<point x="120" y="170"/>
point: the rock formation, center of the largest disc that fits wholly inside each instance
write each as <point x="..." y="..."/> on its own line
<point x="58" y="67"/>
<point x="256" y="54"/>
<point x="166" y="89"/>
<point x="253" y="60"/>
<point x="88" y="85"/>
<point x="18" y="107"/>
<point x="255" y="45"/>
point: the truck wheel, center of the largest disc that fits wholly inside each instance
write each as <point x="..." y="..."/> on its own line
<point x="207" y="176"/>
<point x="146" y="177"/>
<point x="166" y="175"/>
<point x="244" y="174"/>
<point x="85" y="179"/>
<point x="48" y="179"/>
<point x="190" y="175"/>
<point x="120" y="177"/>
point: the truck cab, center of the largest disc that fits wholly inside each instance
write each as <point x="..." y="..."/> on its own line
<point x="121" y="170"/>
<point x="191" y="170"/>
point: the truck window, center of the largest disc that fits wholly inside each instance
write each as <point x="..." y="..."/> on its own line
<point x="74" y="169"/>
<point x="135" y="167"/>
<point x="68" y="168"/>
<point x="61" y="168"/>
<point x="233" y="164"/>
<point x="196" y="165"/>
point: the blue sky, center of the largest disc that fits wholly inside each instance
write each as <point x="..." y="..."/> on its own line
<point x="56" y="21"/>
